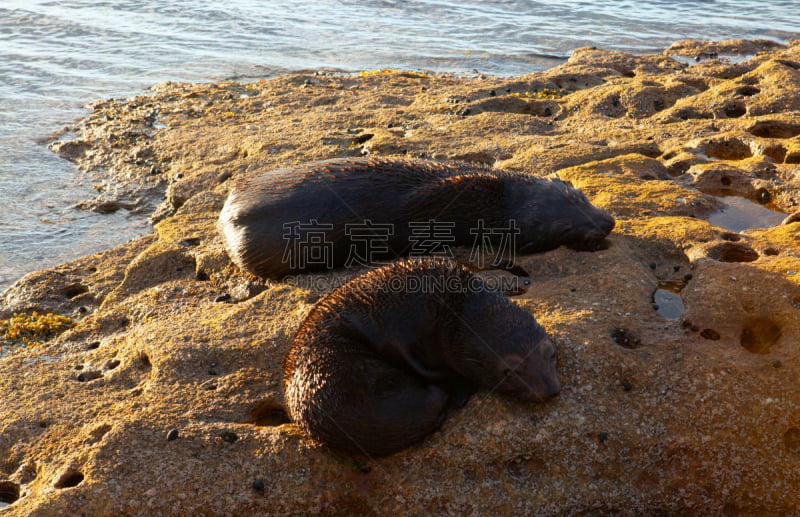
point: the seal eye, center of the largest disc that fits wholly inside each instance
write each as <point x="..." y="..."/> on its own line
<point x="507" y="372"/>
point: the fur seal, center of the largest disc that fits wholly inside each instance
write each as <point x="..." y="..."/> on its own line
<point x="378" y="362"/>
<point x="258" y="215"/>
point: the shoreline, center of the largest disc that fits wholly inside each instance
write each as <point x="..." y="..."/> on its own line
<point x="92" y="207"/>
<point x="649" y="138"/>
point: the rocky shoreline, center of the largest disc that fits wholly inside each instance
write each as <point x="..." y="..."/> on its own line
<point x="697" y="413"/>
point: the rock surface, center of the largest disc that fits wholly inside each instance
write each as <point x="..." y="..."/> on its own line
<point x="164" y="398"/>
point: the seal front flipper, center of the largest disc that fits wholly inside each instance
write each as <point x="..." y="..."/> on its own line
<point x="459" y="390"/>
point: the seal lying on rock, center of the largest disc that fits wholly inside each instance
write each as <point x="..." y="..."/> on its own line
<point x="378" y="362"/>
<point x="344" y="202"/>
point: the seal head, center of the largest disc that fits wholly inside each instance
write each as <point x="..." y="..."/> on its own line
<point x="550" y="213"/>
<point x="504" y="347"/>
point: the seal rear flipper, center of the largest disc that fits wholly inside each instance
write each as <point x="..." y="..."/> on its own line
<point x="378" y="412"/>
<point x="498" y="264"/>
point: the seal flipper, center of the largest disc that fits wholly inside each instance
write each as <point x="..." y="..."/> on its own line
<point x="371" y="407"/>
<point x="508" y="265"/>
<point x="459" y="390"/>
<point x="417" y="358"/>
<point x="401" y="348"/>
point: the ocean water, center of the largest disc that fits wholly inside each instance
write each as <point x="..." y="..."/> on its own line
<point x="57" y="55"/>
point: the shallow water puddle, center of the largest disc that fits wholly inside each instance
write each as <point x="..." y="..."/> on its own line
<point x="670" y="304"/>
<point x="667" y="299"/>
<point x="740" y="214"/>
<point x="706" y="56"/>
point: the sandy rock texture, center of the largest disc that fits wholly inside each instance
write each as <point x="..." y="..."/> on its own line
<point x="165" y="396"/>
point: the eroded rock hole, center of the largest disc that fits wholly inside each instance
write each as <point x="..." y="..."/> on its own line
<point x="793" y="157"/>
<point x="791" y="438"/>
<point x="733" y="252"/>
<point x="209" y="385"/>
<point x="691" y="113"/>
<point x="623" y="337"/>
<point x="190" y="241"/>
<point x="268" y="413"/>
<point x="71" y="291"/>
<point x="229" y="436"/>
<point x="731" y="237"/>
<point x="144" y="361"/>
<point x="88" y="375"/>
<point x="776" y="152"/>
<point x="759" y="334"/>
<point x="763" y="196"/>
<point x="747" y="91"/>
<point x="710" y="334"/>
<point x="9" y="493"/>
<point x="678" y="167"/>
<point x="735" y="109"/>
<point x="69" y="479"/>
<point x="728" y="149"/>
<point x="774" y="129"/>
<point x="360" y="139"/>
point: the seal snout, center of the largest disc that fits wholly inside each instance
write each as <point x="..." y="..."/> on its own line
<point x="542" y="385"/>
<point x="552" y="387"/>
<point x="607" y="223"/>
<point x="544" y="389"/>
<point x="593" y="237"/>
<point x="534" y="377"/>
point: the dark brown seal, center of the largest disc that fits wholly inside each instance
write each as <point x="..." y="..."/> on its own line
<point x="378" y="362"/>
<point x="261" y="222"/>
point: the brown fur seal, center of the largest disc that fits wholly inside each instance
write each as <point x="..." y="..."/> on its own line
<point x="378" y="362"/>
<point x="256" y="220"/>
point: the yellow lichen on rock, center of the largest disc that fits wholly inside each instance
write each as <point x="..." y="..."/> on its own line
<point x="32" y="329"/>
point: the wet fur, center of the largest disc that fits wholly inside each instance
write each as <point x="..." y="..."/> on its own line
<point x="549" y="213"/>
<point x="373" y="370"/>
